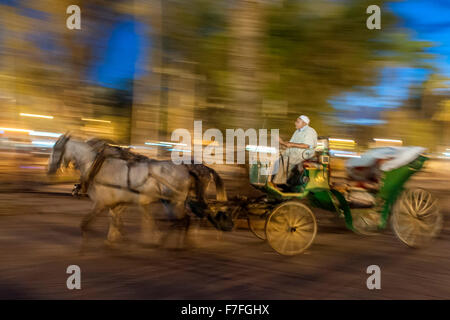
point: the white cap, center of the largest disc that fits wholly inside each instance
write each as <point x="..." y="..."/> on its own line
<point x="304" y="118"/>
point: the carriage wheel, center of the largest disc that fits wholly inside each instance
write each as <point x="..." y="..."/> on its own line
<point x="416" y="219"/>
<point x="366" y="221"/>
<point x="291" y="228"/>
<point x="257" y="225"/>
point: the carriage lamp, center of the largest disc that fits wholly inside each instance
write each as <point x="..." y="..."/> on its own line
<point x="324" y="159"/>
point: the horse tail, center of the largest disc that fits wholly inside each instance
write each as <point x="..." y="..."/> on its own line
<point x="221" y="193"/>
<point x="197" y="184"/>
<point x="198" y="207"/>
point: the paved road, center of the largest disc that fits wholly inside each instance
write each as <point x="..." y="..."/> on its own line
<point x="40" y="237"/>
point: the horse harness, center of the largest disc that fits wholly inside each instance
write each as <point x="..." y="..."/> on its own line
<point x="112" y="152"/>
<point x="107" y="151"/>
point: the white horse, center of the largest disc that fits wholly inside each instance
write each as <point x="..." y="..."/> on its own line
<point x="119" y="182"/>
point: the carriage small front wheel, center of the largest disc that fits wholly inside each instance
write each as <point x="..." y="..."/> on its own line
<point x="257" y="225"/>
<point x="291" y="228"/>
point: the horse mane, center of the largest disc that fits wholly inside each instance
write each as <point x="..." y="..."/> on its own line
<point x="95" y="140"/>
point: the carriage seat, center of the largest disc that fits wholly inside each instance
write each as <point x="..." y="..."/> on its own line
<point x="368" y="178"/>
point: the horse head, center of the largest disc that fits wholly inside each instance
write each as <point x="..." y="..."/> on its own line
<point x="57" y="155"/>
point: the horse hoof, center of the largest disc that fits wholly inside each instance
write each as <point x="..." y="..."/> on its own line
<point x="118" y="240"/>
<point x="148" y="245"/>
<point x="84" y="227"/>
<point x="112" y="244"/>
<point x="108" y="243"/>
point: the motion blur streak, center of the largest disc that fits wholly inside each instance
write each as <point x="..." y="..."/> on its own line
<point x="138" y="70"/>
<point x="35" y="116"/>
<point x="45" y="134"/>
<point x="96" y="120"/>
<point x="388" y="140"/>
<point x="15" y="130"/>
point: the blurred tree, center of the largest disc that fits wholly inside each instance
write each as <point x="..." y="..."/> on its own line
<point x="318" y="49"/>
<point x="29" y="75"/>
<point x="423" y="118"/>
<point x="196" y="31"/>
<point x="48" y="61"/>
<point x="289" y="56"/>
<point x="298" y="53"/>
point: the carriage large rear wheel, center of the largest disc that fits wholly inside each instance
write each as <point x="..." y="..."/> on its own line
<point x="291" y="228"/>
<point x="416" y="219"/>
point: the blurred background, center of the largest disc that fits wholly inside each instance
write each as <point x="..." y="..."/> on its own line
<point x="139" y="69"/>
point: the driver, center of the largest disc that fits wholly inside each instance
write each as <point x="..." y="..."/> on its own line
<point x="303" y="138"/>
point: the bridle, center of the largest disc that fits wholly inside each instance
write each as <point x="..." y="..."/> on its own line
<point x="60" y="146"/>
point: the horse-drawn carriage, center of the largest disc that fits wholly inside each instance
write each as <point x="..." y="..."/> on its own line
<point x="284" y="217"/>
<point x="114" y="178"/>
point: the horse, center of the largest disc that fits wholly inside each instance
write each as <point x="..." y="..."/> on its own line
<point x="202" y="174"/>
<point x="119" y="182"/>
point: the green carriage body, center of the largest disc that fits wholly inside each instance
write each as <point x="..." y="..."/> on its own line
<point x="317" y="188"/>
<point x="290" y="226"/>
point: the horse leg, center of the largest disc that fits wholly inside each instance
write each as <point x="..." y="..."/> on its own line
<point x="174" y="224"/>
<point x="183" y="222"/>
<point x="96" y="210"/>
<point x="187" y="241"/>
<point x="166" y="233"/>
<point x="149" y="229"/>
<point x="115" y="224"/>
<point x="87" y="219"/>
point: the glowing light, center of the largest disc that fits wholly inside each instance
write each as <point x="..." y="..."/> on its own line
<point x="342" y="140"/>
<point x="341" y="151"/>
<point x="179" y="150"/>
<point x="35" y="115"/>
<point x="346" y="155"/>
<point x="173" y="143"/>
<point x="158" y="144"/>
<point x="95" y="120"/>
<point x="45" y="134"/>
<point x="387" y="140"/>
<point x="43" y="143"/>
<point x="263" y="149"/>
<point x="15" y="130"/>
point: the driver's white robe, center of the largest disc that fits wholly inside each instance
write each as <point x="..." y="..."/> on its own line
<point x="292" y="157"/>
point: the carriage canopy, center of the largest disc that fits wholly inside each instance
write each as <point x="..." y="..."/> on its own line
<point x="395" y="157"/>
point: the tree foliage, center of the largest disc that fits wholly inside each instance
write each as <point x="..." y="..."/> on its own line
<point x="318" y="54"/>
<point x="311" y="51"/>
